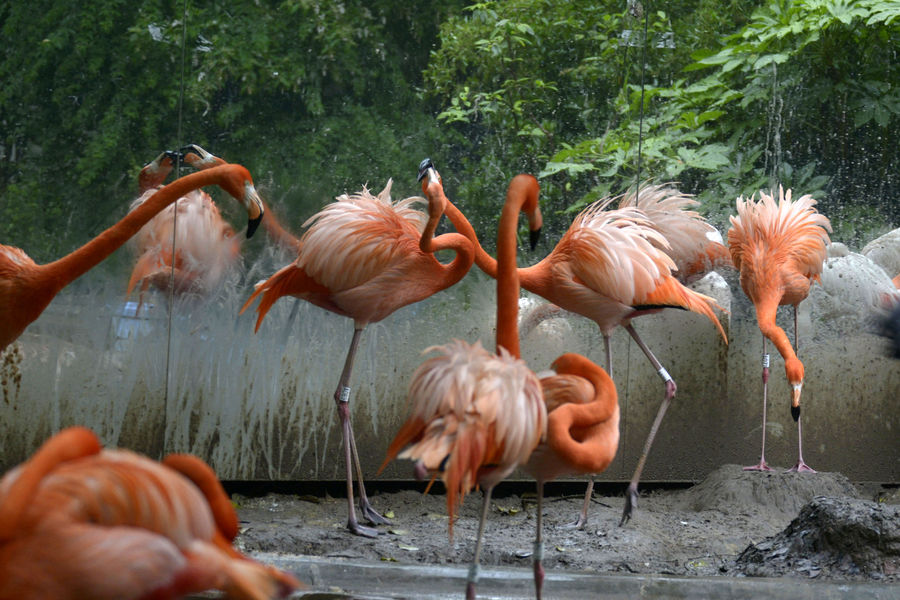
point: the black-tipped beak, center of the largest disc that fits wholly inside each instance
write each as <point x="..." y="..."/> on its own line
<point x="795" y="413"/>
<point x="423" y="168"/>
<point x="192" y="148"/>
<point x="174" y="155"/>
<point x="253" y="224"/>
<point x="533" y="237"/>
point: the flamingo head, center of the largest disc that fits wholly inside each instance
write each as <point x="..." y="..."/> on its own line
<point x="432" y="187"/>
<point x="239" y="184"/>
<point x="794" y="370"/>
<point x="155" y="172"/>
<point x="199" y="158"/>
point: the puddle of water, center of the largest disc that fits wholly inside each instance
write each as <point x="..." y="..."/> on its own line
<point x="331" y="578"/>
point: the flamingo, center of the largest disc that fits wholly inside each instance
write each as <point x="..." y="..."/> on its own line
<point x="582" y="432"/>
<point x="78" y="521"/>
<point x="364" y="257"/>
<point x="779" y="250"/>
<point x="476" y="416"/>
<point x="609" y="268"/>
<point x="27" y="288"/>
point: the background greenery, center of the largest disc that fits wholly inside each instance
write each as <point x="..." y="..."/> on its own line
<point x="318" y="98"/>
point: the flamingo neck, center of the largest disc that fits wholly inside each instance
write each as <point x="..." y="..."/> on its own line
<point x="765" y="317"/>
<point x="485" y="261"/>
<point x="518" y="195"/>
<point x="72" y="266"/>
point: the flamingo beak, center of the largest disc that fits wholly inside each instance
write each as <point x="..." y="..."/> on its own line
<point x="535" y="223"/>
<point x="199" y="158"/>
<point x="796" y="388"/>
<point x="427" y="168"/>
<point x="255" y="209"/>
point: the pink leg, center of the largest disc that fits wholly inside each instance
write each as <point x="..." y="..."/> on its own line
<point x="472" y="579"/>
<point x="762" y="466"/>
<point x="631" y="494"/>
<point x="538" y="555"/>
<point x="351" y="457"/>
<point x="800" y="467"/>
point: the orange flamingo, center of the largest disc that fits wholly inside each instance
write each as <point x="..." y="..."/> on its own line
<point x="582" y="432"/>
<point x="476" y="416"/>
<point x="779" y="250"/>
<point x="77" y="521"/>
<point x="363" y="257"/>
<point x="26" y="288"/>
<point x="607" y="267"/>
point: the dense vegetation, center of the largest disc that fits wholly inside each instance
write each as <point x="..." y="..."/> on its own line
<point x="317" y="98"/>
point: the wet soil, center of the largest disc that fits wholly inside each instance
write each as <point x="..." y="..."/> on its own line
<point x="731" y="524"/>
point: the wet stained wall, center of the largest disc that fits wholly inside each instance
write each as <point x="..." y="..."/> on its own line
<point x="260" y="406"/>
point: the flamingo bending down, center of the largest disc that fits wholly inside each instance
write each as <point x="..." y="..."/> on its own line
<point x="609" y="268"/>
<point x="582" y="431"/>
<point x="363" y="257"/>
<point x="26" y="288"/>
<point x="476" y="416"/>
<point x="80" y="522"/>
<point x="779" y="250"/>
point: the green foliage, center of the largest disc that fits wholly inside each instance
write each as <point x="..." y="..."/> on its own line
<point x="752" y="94"/>
<point x="316" y="98"/>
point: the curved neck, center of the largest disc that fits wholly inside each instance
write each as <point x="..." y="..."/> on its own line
<point x="592" y="452"/>
<point x="460" y="244"/>
<point x="67" y="445"/>
<point x="74" y="265"/>
<point x="518" y="195"/>
<point x="765" y="316"/>
<point x="485" y="261"/>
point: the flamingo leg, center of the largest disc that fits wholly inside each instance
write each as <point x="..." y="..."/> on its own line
<point x="472" y="579"/>
<point x="631" y="494"/>
<point x="342" y="398"/>
<point x="800" y="467"/>
<point x="582" y="520"/>
<point x="538" y="554"/>
<point x="762" y="465"/>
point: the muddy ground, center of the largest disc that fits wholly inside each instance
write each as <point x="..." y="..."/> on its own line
<point x="733" y="523"/>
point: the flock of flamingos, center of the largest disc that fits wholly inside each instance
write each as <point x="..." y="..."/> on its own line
<point x="80" y="521"/>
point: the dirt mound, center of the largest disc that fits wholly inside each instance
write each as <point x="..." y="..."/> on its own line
<point x="841" y="538"/>
<point x="773" y="494"/>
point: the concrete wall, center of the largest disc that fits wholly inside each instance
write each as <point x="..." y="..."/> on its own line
<point x="259" y="406"/>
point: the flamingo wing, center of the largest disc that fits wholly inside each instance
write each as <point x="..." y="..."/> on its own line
<point x="357" y="237"/>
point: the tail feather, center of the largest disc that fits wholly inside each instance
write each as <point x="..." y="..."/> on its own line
<point x="287" y="281"/>
<point x="672" y="293"/>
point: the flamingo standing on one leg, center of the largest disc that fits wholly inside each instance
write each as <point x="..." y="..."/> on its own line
<point x="364" y="257"/>
<point x="476" y="416"/>
<point x="80" y="522"/>
<point x="582" y="431"/>
<point x="26" y="288"/>
<point x="607" y="267"/>
<point x="779" y="250"/>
